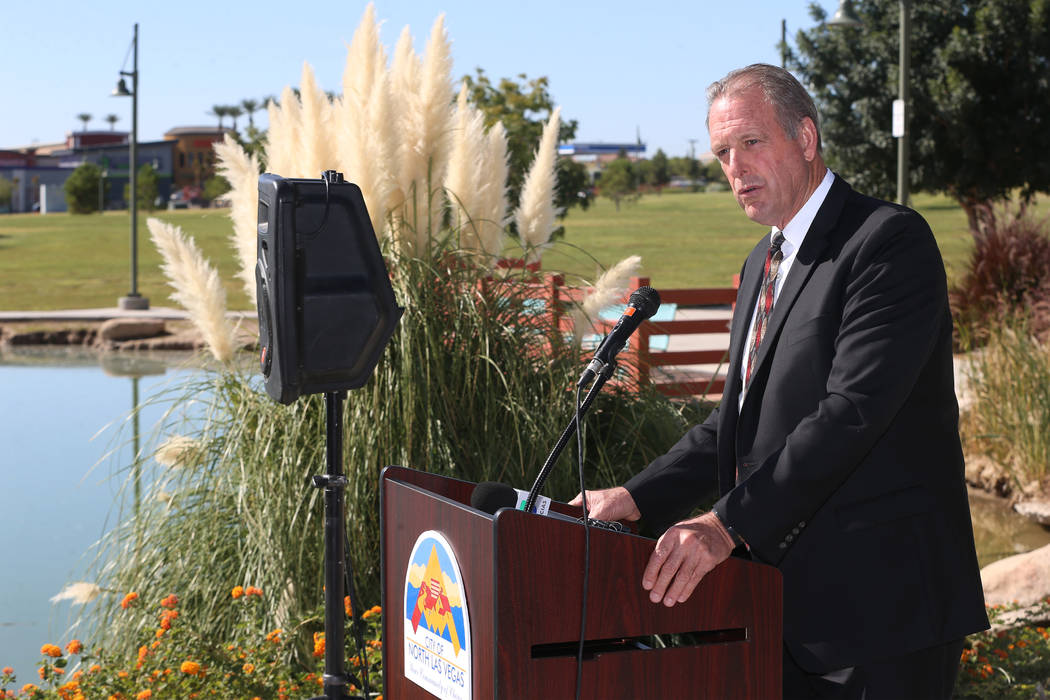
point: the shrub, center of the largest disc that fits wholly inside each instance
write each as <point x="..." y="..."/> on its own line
<point x="1009" y="273"/>
<point x="1012" y="660"/>
<point x="82" y="188"/>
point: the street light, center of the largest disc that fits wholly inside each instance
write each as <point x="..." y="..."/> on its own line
<point x="844" y="17"/>
<point x="133" y="300"/>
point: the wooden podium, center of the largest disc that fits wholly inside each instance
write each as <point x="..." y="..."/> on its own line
<point x="522" y="577"/>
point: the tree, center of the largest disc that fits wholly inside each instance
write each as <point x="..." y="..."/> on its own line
<point x="84" y="117"/>
<point x="618" y="181"/>
<point x="234" y="111"/>
<point x="524" y="107"/>
<point x="7" y="189"/>
<point x="214" y="187"/>
<point x="112" y="120"/>
<point x="146" y="188"/>
<point x="979" y="97"/>
<point x="219" y="111"/>
<point x="82" y="188"/>
<point x="250" y="107"/>
<point x="661" y="169"/>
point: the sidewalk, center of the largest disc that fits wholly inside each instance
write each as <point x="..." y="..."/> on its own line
<point x="165" y="313"/>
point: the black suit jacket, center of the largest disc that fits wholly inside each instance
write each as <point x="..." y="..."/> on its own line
<point x="843" y="467"/>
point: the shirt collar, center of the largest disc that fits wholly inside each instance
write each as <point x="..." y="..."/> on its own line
<point x="795" y="231"/>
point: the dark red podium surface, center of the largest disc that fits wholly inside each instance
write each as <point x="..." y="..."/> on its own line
<point x="522" y="579"/>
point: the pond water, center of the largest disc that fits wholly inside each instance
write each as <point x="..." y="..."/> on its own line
<point x="55" y="406"/>
<point x="56" y="503"/>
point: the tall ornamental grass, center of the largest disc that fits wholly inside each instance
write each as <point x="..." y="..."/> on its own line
<point x="1009" y="417"/>
<point x="476" y="382"/>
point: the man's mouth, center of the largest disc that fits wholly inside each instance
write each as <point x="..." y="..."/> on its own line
<point x="746" y="190"/>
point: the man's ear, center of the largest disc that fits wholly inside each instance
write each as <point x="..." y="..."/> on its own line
<point x="807" y="138"/>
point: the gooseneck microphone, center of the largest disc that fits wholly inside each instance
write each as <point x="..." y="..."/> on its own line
<point x="644" y="302"/>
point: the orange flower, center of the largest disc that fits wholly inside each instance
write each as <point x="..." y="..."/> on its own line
<point x="122" y="674"/>
<point x="191" y="668"/>
<point x="374" y="610"/>
<point x="29" y="689"/>
<point x="8" y="671"/>
<point x="142" y="652"/>
<point x="165" y="623"/>
<point x="252" y="590"/>
<point x="248" y="668"/>
<point x="128" y="600"/>
<point x="347" y="608"/>
<point x="274" y="636"/>
<point x="318" y="644"/>
<point x="74" y="647"/>
<point x="170" y="602"/>
<point x="238" y="591"/>
<point x="51" y="650"/>
<point x="42" y="672"/>
<point x="144" y="695"/>
<point x="95" y="668"/>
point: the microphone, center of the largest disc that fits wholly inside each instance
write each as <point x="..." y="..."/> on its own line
<point x="490" y="496"/>
<point x="644" y="302"/>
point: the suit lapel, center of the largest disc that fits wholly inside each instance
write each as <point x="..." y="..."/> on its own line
<point x="813" y="246"/>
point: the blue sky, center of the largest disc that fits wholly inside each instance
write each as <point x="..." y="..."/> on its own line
<point x="617" y="67"/>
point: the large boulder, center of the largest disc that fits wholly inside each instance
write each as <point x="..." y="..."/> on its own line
<point x="1022" y="578"/>
<point x="121" y="329"/>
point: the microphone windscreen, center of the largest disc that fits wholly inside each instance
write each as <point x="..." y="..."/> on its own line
<point x="490" y="496"/>
<point x="647" y="300"/>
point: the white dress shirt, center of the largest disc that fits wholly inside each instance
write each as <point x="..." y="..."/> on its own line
<point x="794" y="234"/>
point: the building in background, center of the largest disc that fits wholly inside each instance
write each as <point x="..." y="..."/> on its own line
<point x="184" y="161"/>
<point x="595" y="156"/>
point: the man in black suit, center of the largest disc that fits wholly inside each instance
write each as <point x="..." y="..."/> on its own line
<point x="835" y="449"/>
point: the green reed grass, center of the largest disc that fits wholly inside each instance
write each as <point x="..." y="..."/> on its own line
<point x="1009" y="420"/>
<point x="474" y="385"/>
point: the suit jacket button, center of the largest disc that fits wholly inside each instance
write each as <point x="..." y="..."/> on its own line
<point x="783" y="545"/>
<point x="788" y="538"/>
<point x="802" y="524"/>
<point x="795" y="531"/>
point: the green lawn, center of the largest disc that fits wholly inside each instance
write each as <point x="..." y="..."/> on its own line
<point x="61" y="261"/>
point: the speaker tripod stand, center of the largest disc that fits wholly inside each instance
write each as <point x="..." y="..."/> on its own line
<point x="337" y="567"/>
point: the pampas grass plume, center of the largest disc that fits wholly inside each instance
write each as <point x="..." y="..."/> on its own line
<point x="608" y="290"/>
<point x="536" y="212"/>
<point x="313" y="155"/>
<point x="242" y="172"/>
<point x="178" y="451"/>
<point x="197" y="286"/>
<point x="81" y="593"/>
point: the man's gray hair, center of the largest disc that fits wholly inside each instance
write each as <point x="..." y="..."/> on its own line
<point x="788" y="98"/>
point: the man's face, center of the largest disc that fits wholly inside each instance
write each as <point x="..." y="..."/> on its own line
<point x="771" y="174"/>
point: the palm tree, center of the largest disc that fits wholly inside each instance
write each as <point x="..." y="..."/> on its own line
<point x="84" y="117"/>
<point x="112" y="119"/>
<point x="250" y="107"/>
<point x="234" y="111"/>
<point x="219" y="111"/>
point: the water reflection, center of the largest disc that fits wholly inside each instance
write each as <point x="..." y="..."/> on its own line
<point x="1000" y="532"/>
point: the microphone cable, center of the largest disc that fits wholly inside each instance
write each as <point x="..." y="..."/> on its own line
<point x="586" y="544"/>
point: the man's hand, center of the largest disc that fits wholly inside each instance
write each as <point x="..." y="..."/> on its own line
<point x="685" y="553"/>
<point x="609" y="504"/>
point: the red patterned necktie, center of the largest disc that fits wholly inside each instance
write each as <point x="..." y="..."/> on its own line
<point x="765" y="301"/>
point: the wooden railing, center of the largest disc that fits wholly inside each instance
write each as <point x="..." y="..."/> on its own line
<point x="674" y="372"/>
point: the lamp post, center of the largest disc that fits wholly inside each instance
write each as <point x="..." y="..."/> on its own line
<point x="133" y="300"/>
<point x="845" y="17"/>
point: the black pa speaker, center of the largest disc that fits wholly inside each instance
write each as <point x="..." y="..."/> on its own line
<point x="326" y="307"/>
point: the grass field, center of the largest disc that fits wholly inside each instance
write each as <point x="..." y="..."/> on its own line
<point x="62" y="261"/>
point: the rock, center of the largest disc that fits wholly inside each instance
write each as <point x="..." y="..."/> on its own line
<point x="1038" y="511"/>
<point x="1022" y="578"/>
<point x="121" y="329"/>
<point x="987" y="475"/>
